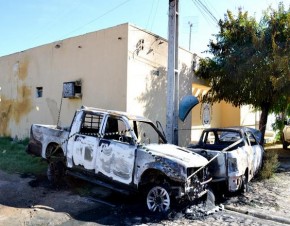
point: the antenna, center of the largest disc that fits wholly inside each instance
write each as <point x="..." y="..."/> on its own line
<point x="58" y="118"/>
<point x="190" y="28"/>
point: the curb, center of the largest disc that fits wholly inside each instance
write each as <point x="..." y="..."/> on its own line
<point x="259" y="215"/>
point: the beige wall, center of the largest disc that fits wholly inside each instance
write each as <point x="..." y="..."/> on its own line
<point x="147" y="75"/>
<point x="249" y="117"/>
<point x="221" y="114"/>
<point x="231" y="116"/>
<point x="99" y="59"/>
<point x="114" y="76"/>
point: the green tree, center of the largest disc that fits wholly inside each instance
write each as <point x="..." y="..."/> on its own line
<point x="250" y="63"/>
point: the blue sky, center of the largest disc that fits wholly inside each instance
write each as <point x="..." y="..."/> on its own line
<point x="30" y="23"/>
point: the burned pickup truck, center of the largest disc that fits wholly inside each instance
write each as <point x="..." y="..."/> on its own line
<point x="122" y="152"/>
<point x="235" y="156"/>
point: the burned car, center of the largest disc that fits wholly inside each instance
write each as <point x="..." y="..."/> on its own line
<point x="122" y="152"/>
<point x="235" y="156"/>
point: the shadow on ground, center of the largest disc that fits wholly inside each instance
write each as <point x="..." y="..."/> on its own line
<point x="82" y="201"/>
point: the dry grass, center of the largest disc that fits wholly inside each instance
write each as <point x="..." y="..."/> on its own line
<point x="270" y="165"/>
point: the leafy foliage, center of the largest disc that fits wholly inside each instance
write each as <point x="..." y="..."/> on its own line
<point x="250" y="63"/>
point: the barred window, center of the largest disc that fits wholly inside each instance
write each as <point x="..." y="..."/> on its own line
<point x="91" y="124"/>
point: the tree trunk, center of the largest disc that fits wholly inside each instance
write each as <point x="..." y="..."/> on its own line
<point x="263" y="120"/>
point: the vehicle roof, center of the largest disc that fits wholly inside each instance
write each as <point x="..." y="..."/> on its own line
<point x="115" y="113"/>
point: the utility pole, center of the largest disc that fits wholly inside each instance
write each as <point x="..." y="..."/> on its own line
<point x="190" y="27"/>
<point x="172" y="75"/>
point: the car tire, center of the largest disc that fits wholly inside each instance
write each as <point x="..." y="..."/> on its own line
<point x="158" y="198"/>
<point x="55" y="172"/>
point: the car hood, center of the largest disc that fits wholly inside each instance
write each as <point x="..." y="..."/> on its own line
<point x="177" y="154"/>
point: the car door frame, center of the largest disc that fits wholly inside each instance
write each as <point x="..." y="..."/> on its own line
<point x="83" y="147"/>
<point x="116" y="159"/>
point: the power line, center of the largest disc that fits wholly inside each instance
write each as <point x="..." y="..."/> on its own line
<point x="205" y="16"/>
<point x="209" y="5"/>
<point x="48" y="26"/>
<point x="150" y="15"/>
<point x="205" y="11"/>
<point x="154" y="15"/>
<point x="99" y="17"/>
<point x="208" y="11"/>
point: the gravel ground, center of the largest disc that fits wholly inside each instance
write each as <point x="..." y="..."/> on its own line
<point x="25" y="200"/>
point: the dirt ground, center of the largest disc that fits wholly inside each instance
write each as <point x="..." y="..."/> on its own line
<point x="26" y="200"/>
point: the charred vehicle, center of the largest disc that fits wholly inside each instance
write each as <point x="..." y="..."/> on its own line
<point x="235" y="156"/>
<point x="122" y="152"/>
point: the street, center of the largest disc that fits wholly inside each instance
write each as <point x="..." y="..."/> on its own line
<point x="25" y="200"/>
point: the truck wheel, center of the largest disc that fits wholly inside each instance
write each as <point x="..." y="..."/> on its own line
<point x="55" y="172"/>
<point x="158" y="198"/>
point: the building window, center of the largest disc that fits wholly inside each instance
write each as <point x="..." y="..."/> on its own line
<point x="39" y="92"/>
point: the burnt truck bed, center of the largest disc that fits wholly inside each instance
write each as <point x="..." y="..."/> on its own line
<point x="43" y="135"/>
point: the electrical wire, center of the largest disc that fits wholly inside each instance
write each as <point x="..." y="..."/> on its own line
<point x="153" y="21"/>
<point x="209" y="5"/>
<point x="150" y="15"/>
<point x="205" y="16"/>
<point x="205" y="12"/>
<point x="97" y="18"/>
<point x="48" y="26"/>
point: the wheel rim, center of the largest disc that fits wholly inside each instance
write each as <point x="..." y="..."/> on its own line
<point x="158" y="199"/>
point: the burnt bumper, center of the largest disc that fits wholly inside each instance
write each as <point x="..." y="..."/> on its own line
<point x="196" y="186"/>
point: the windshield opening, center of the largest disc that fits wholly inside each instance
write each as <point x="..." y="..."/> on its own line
<point x="146" y="132"/>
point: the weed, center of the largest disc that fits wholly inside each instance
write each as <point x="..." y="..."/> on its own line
<point x="14" y="159"/>
<point x="270" y="165"/>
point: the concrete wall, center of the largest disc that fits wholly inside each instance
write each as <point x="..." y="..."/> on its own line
<point x="116" y="72"/>
<point x="99" y="59"/>
<point x="221" y="114"/>
<point x="147" y="75"/>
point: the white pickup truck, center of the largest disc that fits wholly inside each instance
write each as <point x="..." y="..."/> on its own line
<point x="235" y="156"/>
<point x="123" y="152"/>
